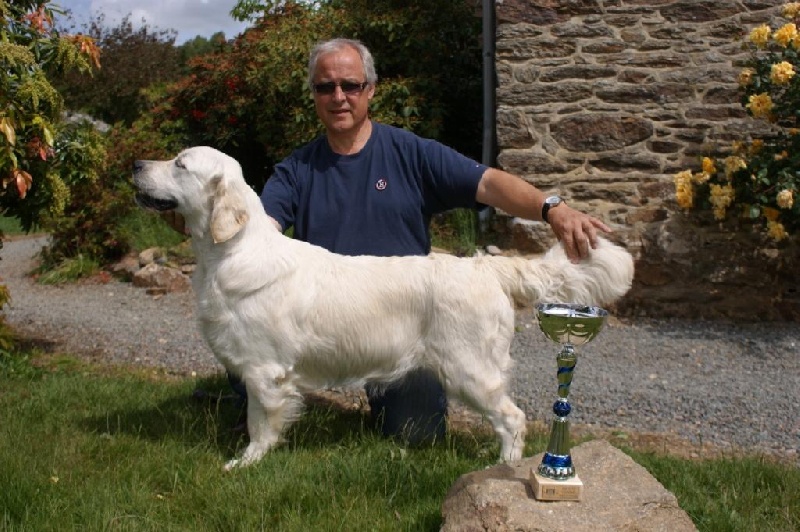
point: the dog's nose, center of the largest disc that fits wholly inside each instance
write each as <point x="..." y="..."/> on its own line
<point x="137" y="166"/>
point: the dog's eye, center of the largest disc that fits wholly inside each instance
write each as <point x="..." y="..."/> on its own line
<point x="179" y="163"/>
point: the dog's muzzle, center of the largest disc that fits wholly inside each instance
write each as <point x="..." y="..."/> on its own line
<point x="146" y="200"/>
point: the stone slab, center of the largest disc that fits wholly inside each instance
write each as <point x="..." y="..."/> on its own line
<point x="618" y="495"/>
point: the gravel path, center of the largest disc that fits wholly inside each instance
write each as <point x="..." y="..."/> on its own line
<point x="731" y="386"/>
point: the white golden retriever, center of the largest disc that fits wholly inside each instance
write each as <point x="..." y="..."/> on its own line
<point x="289" y="317"/>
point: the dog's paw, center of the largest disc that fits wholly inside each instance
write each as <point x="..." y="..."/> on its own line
<point x="233" y="464"/>
<point x="252" y="454"/>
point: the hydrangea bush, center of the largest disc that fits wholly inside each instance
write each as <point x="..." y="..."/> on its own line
<point x="760" y="178"/>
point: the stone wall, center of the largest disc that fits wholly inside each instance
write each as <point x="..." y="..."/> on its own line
<point x="604" y="101"/>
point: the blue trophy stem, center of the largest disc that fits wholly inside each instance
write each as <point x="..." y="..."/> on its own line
<point x="566" y="366"/>
<point x="557" y="462"/>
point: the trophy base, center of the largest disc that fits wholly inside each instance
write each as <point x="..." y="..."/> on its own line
<point x="548" y="489"/>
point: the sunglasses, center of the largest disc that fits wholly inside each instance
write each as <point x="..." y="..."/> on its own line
<point x="348" y="87"/>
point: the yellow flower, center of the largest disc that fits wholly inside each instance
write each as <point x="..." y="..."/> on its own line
<point x="786" y="34"/>
<point x="771" y="214"/>
<point x="780" y="156"/>
<point x="785" y="199"/>
<point x="706" y="173"/>
<point x="781" y="73"/>
<point x="708" y="165"/>
<point x="721" y="197"/>
<point x="756" y="146"/>
<point x="776" y="231"/>
<point x="746" y="76"/>
<point x="684" y="193"/>
<point x="733" y="164"/>
<point x="791" y="9"/>
<point x="760" y="105"/>
<point x="760" y="36"/>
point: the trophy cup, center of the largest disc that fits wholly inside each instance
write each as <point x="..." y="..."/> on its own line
<point x="569" y="325"/>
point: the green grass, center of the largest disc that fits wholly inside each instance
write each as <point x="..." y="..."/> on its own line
<point x="731" y="494"/>
<point x="88" y="448"/>
<point x="10" y="226"/>
<point x="455" y="230"/>
<point x="143" y="229"/>
<point x="70" y="270"/>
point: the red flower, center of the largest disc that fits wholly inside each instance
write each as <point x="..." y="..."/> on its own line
<point x="39" y="20"/>
<point x="232" y="83"/>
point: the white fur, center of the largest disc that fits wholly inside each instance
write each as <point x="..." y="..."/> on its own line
<point x="290" y="317"/>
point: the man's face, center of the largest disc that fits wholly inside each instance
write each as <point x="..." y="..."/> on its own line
<point x="342" y="112"/>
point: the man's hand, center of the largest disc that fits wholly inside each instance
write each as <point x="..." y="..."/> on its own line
<point x="576" y="230"/>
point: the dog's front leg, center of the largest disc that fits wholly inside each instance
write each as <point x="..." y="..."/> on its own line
<point x="272" y="402"/>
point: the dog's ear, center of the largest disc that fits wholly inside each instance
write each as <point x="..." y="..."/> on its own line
<point x="228" y="213"/>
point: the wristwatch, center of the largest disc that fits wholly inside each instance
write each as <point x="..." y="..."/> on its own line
<point x="549" y="203"/>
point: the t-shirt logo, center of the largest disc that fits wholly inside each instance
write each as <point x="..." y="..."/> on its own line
<point x="381" y="184"/>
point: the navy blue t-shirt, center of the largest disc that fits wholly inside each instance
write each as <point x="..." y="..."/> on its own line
<point x="377" y="202"/>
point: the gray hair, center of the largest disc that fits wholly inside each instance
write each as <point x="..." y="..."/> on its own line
<point x="337" y="45"/>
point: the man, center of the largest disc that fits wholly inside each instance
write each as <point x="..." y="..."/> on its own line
<point x="365" y="188"/>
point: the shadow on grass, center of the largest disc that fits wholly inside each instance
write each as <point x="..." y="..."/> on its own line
<point x="213" y="415"/>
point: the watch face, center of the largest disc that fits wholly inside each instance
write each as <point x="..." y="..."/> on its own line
<point x="553" y="200"/>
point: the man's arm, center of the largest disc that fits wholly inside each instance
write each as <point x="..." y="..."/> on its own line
<point x="517" y="197"/>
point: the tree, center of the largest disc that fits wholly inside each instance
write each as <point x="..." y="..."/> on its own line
<point x="200" y="46"/>
<point x="431" y="47"/>
<point x="252" y="99"/>
<point x="34" y="142"/>
<point x="133" y="60"/>
<point x="436" y="45"/>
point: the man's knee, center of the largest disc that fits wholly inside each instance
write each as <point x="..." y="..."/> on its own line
<point x="414" y="408"/>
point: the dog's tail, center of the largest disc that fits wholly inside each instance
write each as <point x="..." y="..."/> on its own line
<point x="604" y="277"/>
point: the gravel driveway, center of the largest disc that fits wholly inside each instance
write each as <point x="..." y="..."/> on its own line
<point x="733" y="386"/>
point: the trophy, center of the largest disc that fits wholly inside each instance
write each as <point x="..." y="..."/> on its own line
<point x="570" y="325"/>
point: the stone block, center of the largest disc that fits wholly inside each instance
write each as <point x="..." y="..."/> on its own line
<point x="161" y="279"/>
<point x="618" y="494"/>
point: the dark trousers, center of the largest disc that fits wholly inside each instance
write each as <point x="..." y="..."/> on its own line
<point x="413" y="408"/>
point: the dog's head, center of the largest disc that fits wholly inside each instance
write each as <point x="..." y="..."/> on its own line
<point x="202" y="184"/>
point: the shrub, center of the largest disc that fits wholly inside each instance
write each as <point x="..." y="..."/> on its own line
<point x="100" y="221"/>
<point x="759" y="179"/>
<point x="33" y="145"/>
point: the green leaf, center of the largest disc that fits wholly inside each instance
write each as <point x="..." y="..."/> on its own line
<point x="48" y="134"/>
<point x="7" y="129"/>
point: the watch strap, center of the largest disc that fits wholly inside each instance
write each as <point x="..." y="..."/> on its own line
<point x="547" y="205"/>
